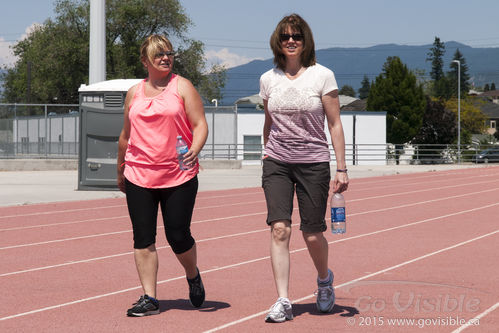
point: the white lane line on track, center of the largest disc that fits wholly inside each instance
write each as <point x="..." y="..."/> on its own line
<point x="423" y="190"/>
<point x="249" y="192"/>
<point x="261" y="313"/>
<point x="65" y="223"/>
<point x="130" y="253"/>
<point x="229" y="236"/>
<point x="424" y="181"/>
<point x="236" y="204"/>
<point x="472" y="322"/>
<point x="123" y="216"/>
<point x="233" y="217"/>
<point x="248" y="262"/>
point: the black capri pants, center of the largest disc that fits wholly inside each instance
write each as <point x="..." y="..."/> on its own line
<point x="177" y="204"/>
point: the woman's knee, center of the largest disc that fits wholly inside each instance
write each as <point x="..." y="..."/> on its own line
<point x="180" y="242"/>
<point x="313" y="238"/>
<point x="281" y="230"/>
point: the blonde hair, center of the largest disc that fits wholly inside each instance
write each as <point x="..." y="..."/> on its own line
<point x="297" y="23"/>
<point x="153" y="45"/>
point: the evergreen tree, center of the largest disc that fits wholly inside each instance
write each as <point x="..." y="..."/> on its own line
<point x="364" y="89"/>
<point x="397" y="92"/>
<point x="347" y="91"/>
<point x="436" y="57"/>
<point x="465" y="86"/>
<point x="493" y="86"/>
<point x="486" y="88"/>
<point x="440" y="84"/>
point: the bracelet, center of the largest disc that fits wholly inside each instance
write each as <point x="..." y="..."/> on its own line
<point x="342" y="170"/>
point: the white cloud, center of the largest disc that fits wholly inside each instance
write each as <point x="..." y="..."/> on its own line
<point x="7" y="58"/>
<point x="224" y="57"/>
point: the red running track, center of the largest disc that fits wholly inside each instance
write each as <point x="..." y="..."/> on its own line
<point x="420" y="254"/>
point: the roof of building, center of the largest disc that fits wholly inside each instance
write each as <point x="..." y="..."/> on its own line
<point x="490" y="93"/>
<point x="110" y="85"/>
<point x="491" y="110"/>
<point x="357" y="105"/>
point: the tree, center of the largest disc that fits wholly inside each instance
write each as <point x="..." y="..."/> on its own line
<point x="58" y="49"/>
<point x="347" y="91"/>
<point x="493" y="86"/>
<point x="439" y="124"/>
<point x="464" y="76"/>
<point x="486" y="88"/>
<point x="438" y="130"/>
<point x="472" y="118"/>
<point x="440" y="85"/>
<point x="364" y="89"/>
<point x="397" y="92"/>
<point x="436" y="57"/>
<point x="210" y="87"/>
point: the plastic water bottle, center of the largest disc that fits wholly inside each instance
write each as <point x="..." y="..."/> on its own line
<point x="338" y="216"/>
<point x="182" y="149"/>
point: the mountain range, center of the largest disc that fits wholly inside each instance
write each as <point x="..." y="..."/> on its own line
<point x="351" y="64"/>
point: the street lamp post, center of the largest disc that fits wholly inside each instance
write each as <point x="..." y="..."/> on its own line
<point x="213" y="128"/>
<point x="458" y="110"/>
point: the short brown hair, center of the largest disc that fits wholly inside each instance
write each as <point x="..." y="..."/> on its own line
<point x="297" y="23"/>
<point x="153" y="45"/>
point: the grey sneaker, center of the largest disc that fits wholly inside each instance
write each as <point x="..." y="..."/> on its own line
<point x="280" y="311"/>
<point x="145" y="306"/>
<point x="325" y="295"/>
<point x="196" y="291"/>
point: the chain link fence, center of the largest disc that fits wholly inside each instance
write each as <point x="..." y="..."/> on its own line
<point x="39" y="130"/>
<point x="52" y="131"/>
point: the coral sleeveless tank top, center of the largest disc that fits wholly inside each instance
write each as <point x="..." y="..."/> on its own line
<point x="155" y="122"/>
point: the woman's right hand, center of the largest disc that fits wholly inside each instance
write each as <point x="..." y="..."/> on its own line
<point x="121" y="180"/>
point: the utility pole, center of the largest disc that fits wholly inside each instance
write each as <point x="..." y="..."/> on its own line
<point x="458" y="110"/>
<point x="28" y="79"/>
<point x="97" y="47"/>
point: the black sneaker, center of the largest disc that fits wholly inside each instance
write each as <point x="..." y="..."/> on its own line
<point x="196" y="291"/>
<point x="145" y="306"/>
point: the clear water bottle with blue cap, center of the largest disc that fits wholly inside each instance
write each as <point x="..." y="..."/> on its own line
<point x="338" y="216"/>
<point x="182" y="149"/>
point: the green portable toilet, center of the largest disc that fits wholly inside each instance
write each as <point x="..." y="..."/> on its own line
<point x="101" y="121"/>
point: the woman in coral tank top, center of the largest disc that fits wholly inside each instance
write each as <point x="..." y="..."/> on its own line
<point x="157" y="110"/>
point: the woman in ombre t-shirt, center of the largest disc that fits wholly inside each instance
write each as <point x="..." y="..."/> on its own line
<point x="157" y="110"/>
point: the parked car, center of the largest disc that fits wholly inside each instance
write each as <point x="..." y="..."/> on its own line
<point x="489" y="155"/>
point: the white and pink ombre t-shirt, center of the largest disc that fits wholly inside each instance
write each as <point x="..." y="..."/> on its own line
<point x="295" y="106"/>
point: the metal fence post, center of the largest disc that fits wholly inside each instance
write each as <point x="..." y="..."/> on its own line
<point x="17" y="128"/>
<point x="46" y="131"/>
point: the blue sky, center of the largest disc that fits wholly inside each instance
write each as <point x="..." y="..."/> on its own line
<point x="237" y="31"/>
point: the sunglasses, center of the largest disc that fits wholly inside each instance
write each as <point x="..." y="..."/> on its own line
<point x="162" y="54"/>
<point x="296" y="37"/>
